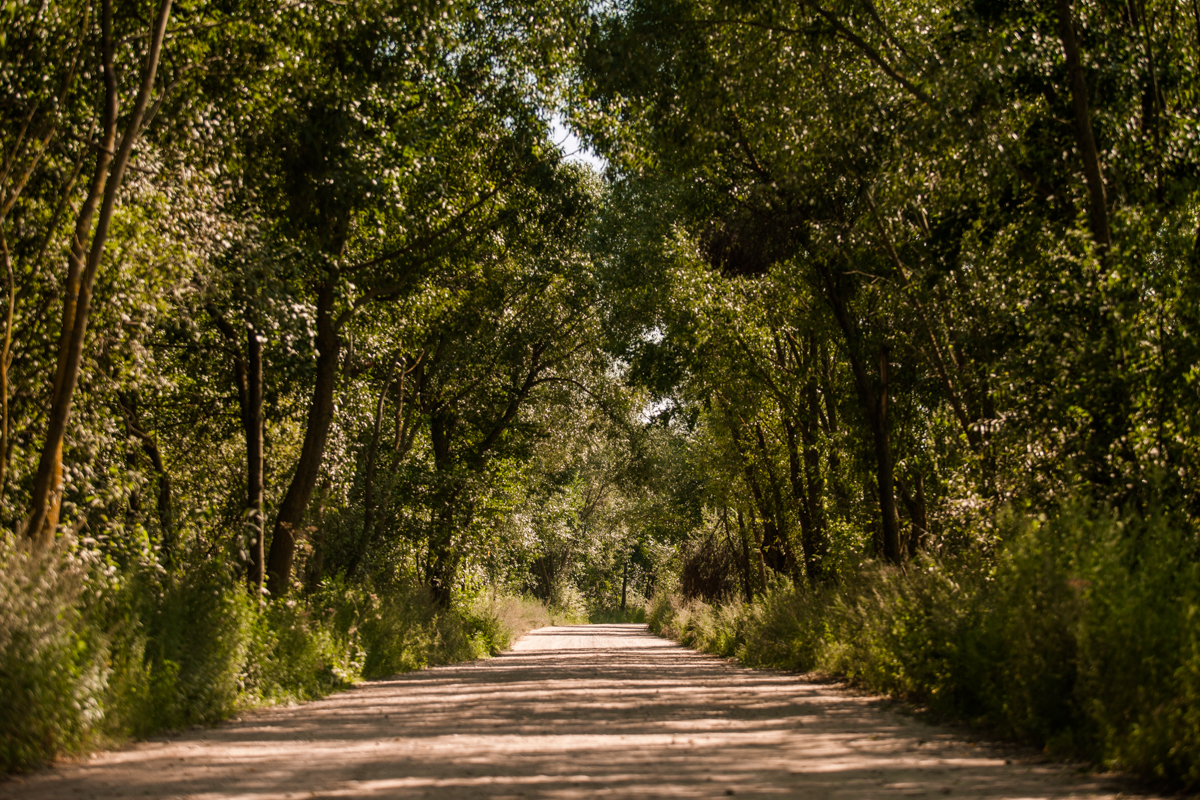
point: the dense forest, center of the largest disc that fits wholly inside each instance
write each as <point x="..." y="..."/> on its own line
<point x="871" y="347"/>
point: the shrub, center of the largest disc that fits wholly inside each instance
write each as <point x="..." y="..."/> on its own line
<point x="51" y="671"/>
<point x="781" y="630"/>
<point x="90" y="652"/>
<point x="1082" y="636"/>
<point x="1138" y="680"/>
<point x="630" y="614"/>
<point x="404" y="630"/>
<point x="297" y="652"/>
<point x="513" y="617"/>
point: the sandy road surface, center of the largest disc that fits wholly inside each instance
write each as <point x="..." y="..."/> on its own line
<point x="600" y="711"/>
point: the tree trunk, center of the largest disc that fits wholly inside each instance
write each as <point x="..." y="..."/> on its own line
<point x="316" y="558"/>
<point x="744" y="561"/>
<point x="308" y="468"/>
<point x="248" y="376"/>
<point x="807" y="487"/>
<point x="1084" y="136"/>
<point x="442" y="570"/>
<point x="624" y="582"/>
<point x="405" y="430"/>
<point x="364" y="540"/>
<point x="779" y="541"/>
<point x="914" y="501"/>
<point x="46" y="499"/>
<point x="817" y="548"/>
<point x="441" y="564"/>
<point x="133" y="426"/>
<point x="253" y="422"/>
<point x="768" y="544"/>
<point x="758" y="549"/>
<point x="873" y="397"/>
<point x="799" y="500"/>
<point x="4" y="358"/>
<point x="884" y="466"/>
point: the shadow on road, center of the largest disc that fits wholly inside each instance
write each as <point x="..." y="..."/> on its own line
<point x="571" y="712"/>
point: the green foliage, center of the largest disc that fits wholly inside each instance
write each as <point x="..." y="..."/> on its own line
<point x="197" y="634"/>
<point x="512" y="617"/>
<point x="51" y="673"/>
<point x="406" y="631"/>
<point x="630" y="615"/>
<point x="298" y="652"/>
<point x="156" y="651"/>
<point x="849" y="286"/>
<point x="1080" y="638"/>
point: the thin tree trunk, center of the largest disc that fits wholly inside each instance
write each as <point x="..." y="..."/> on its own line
<point x="799" y="500"/>
<point x="405" y="430"/>
<point x="46" y="500"/>
<point x="364" y="540"/>
<point x="133" y="425"/>
<point x="316" y="559"/>
<point x="744" y="561"/>
<point x="442" y="566"/>
<point x="312" y="452"/>
<point x="779" y="545"/>
<point x="624" y="582"/>
<point x="768" y="543"/>
<point x="758" y="549"/>
<point x="255" y="458"/>
<point x="1084" y="136"/>
<point x="401" y="420"/>
<point x="914" y="501"/>
<point x="4" y="359"/>
<point x="934" y="354"/>
<point x="873" y="396"/>
<point x="817" y="548"/>
<point x="248" y="375"/>
<point x="746" y="558"/>
<point x="885" y="469"/>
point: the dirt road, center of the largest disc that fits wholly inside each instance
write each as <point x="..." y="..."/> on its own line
<point x="597" y="711"/>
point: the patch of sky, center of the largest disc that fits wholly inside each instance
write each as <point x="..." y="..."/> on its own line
<point x="572" y="149"/>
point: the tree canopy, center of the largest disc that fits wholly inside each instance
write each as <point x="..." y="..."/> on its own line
<point x="307" y="291"/>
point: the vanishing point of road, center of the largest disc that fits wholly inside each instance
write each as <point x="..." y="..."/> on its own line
<point x="586" y="711"/>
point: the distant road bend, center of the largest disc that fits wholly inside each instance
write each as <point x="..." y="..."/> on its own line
<point x="587" y="711"/>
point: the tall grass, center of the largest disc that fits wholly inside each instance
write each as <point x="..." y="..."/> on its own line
<point x="52" y="678"/>
<point x="1082" y="636"/>
<point x="92" y="654"/>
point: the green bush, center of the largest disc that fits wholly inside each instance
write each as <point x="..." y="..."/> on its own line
<point x="504" y="619"/>
<point x="782" y="631"/>
<point x="198" y="630"/>
<point x="631" y="614"/>
<point x="52" y="675"/>
<point x="91" y="653"/>
<point x="297" y="652"/>
<point x="404" y="630"/>
<point x="1081" y="636"/>
<point x="1138" y="643"/>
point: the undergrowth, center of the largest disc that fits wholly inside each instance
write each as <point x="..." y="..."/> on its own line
<point x="92" y="653"/>
<point x="1082" y="636"/>
<point x="629" y="614"/>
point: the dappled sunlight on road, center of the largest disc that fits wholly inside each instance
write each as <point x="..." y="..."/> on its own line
<point x="571" y="712"/>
